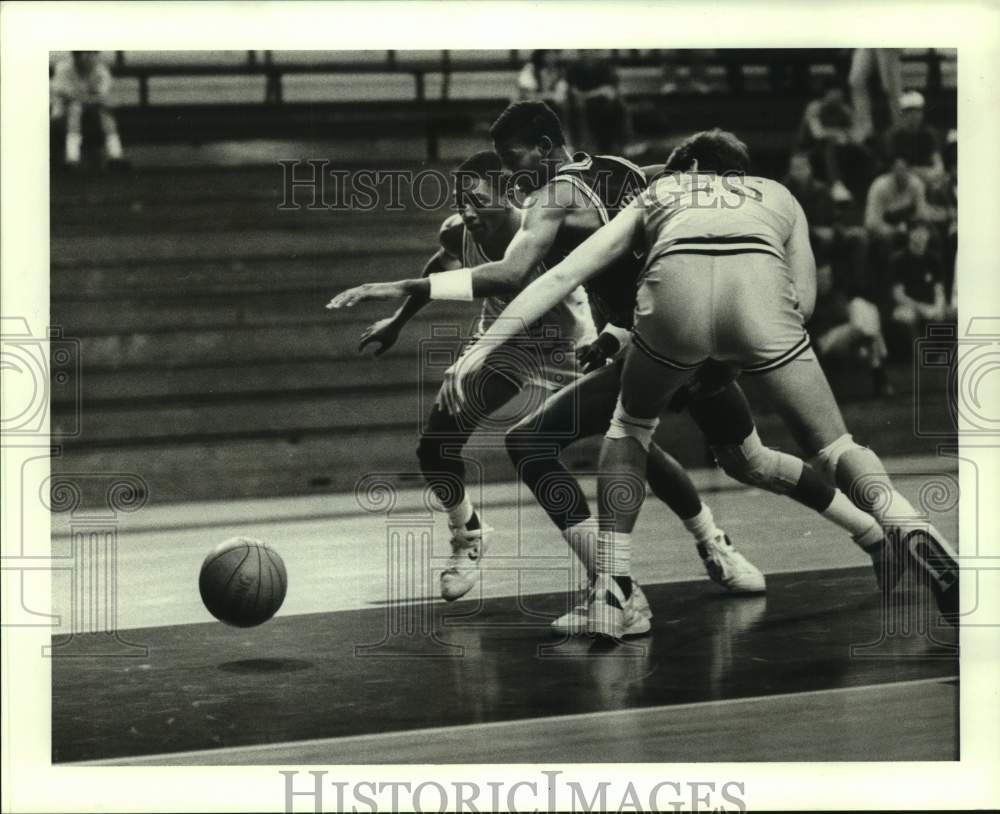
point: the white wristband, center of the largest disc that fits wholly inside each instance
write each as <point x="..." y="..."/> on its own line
<point x="452" y="285"/>
<point x="623" y="335"/>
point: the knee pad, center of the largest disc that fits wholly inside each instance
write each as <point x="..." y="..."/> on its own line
<point x="624" y="425"/>
<point x="826" y="459"/>
<point x="752" y="463"/>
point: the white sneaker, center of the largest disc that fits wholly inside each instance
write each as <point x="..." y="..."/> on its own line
<point x="610" y="614"/>
<point x="939" y="562"/>
<point x="574" y="622"/>
<point x="730" y="569"/>
<point x="467" y="550"/>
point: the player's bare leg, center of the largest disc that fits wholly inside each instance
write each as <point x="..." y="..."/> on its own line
<point x="722" y="412"/>
<point x="441" y="439"/>
<point x="646" y="388"/>
<point x="802" y="396"/>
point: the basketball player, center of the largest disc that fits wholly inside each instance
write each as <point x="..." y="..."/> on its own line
<point x="729" y="278"/>
<point x="486" y="226"/>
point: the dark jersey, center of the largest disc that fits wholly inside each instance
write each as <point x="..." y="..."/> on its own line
<point x="611" y="183"/>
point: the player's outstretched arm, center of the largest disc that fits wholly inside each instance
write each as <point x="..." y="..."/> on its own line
<point x="445" y="259"/>
<point x="592" y="256"/>
<point x="385" y="332"/>
<point x="542" y="216"/>
<point x="540" y="224"/>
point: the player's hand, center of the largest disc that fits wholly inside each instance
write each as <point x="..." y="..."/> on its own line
<point x="368" y="291"/>
<point x="456" y="378"/>
<point x="384" y="332"/>
<point x="598" y="353"/>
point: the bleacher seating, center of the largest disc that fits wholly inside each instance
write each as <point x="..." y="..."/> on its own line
<point x="170" y="95"/>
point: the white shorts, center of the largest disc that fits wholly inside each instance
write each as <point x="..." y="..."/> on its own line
<point x="740" y="309"/>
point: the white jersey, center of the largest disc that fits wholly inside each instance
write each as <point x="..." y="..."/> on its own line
<point x="706" y="213"/>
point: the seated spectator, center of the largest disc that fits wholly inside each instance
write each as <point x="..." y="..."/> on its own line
<point x="848" y="329"/>
<point x="917" y="141"/>
<point x="895" y="199"/>
<point x="845" y="245"/>
<point x="80" y="87"/>
<point x="918" y="283"/>
<point x="943" y="200"/>
<point x="811" y="193"/>
<point x="825" y="130"/>
<point x="600" y="112"/>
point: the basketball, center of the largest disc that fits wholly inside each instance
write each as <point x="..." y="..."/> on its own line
<point x="243" y="582"/>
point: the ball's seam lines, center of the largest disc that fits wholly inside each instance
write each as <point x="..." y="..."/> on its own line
<point x="260" y="579"/>
<point x="236" y="570"/>
<point x="207" y="563"/>
<point x="279" y="570"/>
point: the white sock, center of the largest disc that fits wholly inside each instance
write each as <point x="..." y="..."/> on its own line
<point x="461" y="513"/>
<point x="74" y="141"/>
<point x="702" y="526"/>
<point x="861" y="526"/>
<point x="113" y="145"/>
<point x="900" y="509"/>
<point x="582" y="538"/>
<point x="869" y="537"/>
<point x="614" y="553"/>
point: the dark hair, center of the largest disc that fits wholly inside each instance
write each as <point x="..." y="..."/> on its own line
<point x="528" y="123"/>
<point x="715" y="151"/>
<point x="482" y="166"/>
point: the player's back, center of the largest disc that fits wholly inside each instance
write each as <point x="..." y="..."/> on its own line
<point x="706" y="213"/>
<point x="717" y="283"/>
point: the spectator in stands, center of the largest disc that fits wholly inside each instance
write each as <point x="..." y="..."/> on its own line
<point x="824" y="133"/>
<point x="916" y="140"/>
<point x="867" y="63"/>
<point x="846" y="325"/>
<point x="813" y="195"/>
<point x="919" y="283"/>
<point x="895" y="199"/>
<point x="945" y="198"/>
<point x="80" y="89"/>
<point x="543" y="77"/>
<point x="844" y="244"/>
<point x="846" y="328"/>
<point x="597" y="104"/>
